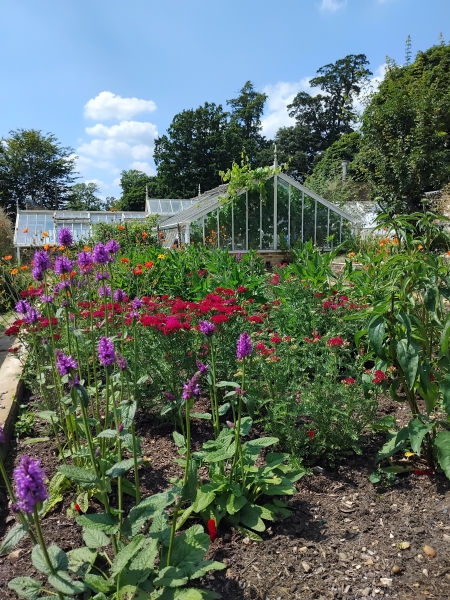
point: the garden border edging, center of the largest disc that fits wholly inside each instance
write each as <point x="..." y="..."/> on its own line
<point x="11" y="391"/>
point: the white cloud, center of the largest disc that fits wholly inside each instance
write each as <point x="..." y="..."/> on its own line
<point x="332" y="5"/>
<point x="86" y="164"/>
<point x="109" y="106"/>
<point x="131" y="132"/>
<point x="113" y="150"/>
<point x="143" y="166"/>
<point x="279" y="96"/>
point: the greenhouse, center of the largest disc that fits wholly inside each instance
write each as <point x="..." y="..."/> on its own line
<point x="284" y="214"/>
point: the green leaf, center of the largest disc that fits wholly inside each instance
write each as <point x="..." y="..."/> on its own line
<point x="108" y="433"/>
<point x="82" y="394"/>
<point x="62" y="582"/>
<point x="202" y="500"/>
<point x="170" y="577"/>
<point x="121" y="467"/>
<point x="145" y="560"/>
<point x="127" y="554"/>
<point x="444" y="388"/>
<point x="395" y="442"/>
<point x="190" y="546"/>
<point x="94" y="538"/>
<point x="57" y="557"/>
<point x="262" y="442"/>
<point x="231" y="384"/>
<point x="442" y="445"/>
<point x="385" y="423"/>
<point x="248" y="533"/>
<point x="235" y="503"/>
<point x="376" y="331"/>
<point x="30" y="441"/>
<point x="127" y="411"/>
<point x="250" y="516"/>
<point x="417" y="431"/>
<point x="194" y="571"/>
<point x="26" y="587"/>
<point x="48" y="415"/>
<point x="109" y="524"/>
<point x="79" y="475"/>
<point x="408" y="358"/>
<point x="190" y="487"/>
<point x="98" y="584"/>
<point x="246" y="425"/>
<point x="145" y="510"/>
<point x="205" y="416"/>
<point x="81" y="559"/>
<point x="375" y="477"/>
<point x="445" y="337"/>
<point x="223" y="409"/>
<point x="12" y="538"/>
<point x="179" y="440"/>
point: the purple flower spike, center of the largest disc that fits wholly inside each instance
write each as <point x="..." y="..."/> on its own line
<point x="101" y="254"/>
<point x="244" y="345"/>
<point x="136" y="303"/>
<point x="104" y="290"/>
<point x="65" y="364"/>
<point x="22" y="307"/>
<point x="122" y="363"/>
<point x="238" y="257"/>
<point x="32" y="316"/>
<point x="120" y="428"/>
<point x="120" y="295"/>
<point x="47" y="299"/>
<point x="65" y="237"/>
<point x="41" y="263"/>
<point x="106" y="353"/>
<point x="2" y="435"/>
<point x="100" y="276"/>
<point x="207" y="328"/>
<point x="85" y="260"/>
<point x="63" y="265"/>
<point x="230" y="424"/>
<point x="112" y="246"/>
<point x="191" y="388"/>
<point x="202" y="368"/>
<point x="29" y="478"/>
<point x="168" y="396"/>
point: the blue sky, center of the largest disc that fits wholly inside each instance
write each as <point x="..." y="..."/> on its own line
<point x="106" y="77"/>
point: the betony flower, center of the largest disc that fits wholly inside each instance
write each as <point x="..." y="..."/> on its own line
<point x="101" y="254"/>
<point x="41" y="263"/>
<point x="136" y="303"/>
<point x="104" y="290"/>
<point x="65" y="364"/>
<point x="100" y="276"/>
<point x="29" y="479"/>
<point x="120" y="295"/>
<point x="65" y="237"/>
<point x="202" y="368"/>
<point x="106" y="353"/>
<point x="168" y="396"/>
<point x="63" y="265"/>
<point x="85" y="259"/>
<point x="244" y="345"/>
<point x="22" y="307"/>
<point x="47" y="299"/>
<point x="122" y="362"/>
<point x="112" y="246"/>
<point x="207" y="328"/>
<point x="191" y="388"/>
<point x="32" y="316"/>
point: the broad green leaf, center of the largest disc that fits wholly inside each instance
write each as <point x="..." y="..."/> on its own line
<point x="26" y="587"/>
<point x="445" y="337"/>
<point x="395" y="442"/>
<point x="235" y="503"/>
<point x="231" y="384"/>
<point x="179" y="440"/>
<point x="189" y="489"/>
<point x="145" y="560"/>
<point x="128" y="410"/>
<point x="194" y="571"/>
<point x="444" y="388"/>
<point x="170" y="577"/>
<point x="108" y="433"/>
<point x="202" y="500"/>
<point x="57" y="557"/>
<point x="101" y="521"/>
<point x="408" y="357"/>
<point x="12" y="538"/>
<point x="48" y="415"/>
<point x="190" y="546"/>
<point x="442" y="445"/>
<point x="98" y="584"/>
<point x="376" y="331"/>
<point x="82" y="394"/>
<point x="248" y="533"/>
<point x="262" y="442"/>
<point x="80" y="559"/>
<point x="94" y="538"/>
<point x="121" y="467"/>
<point x="78" y="475"/>
<point x="127" y="553"/>
<point x="417" y="431"/>
<point x="62" y="582"/>
<point x="205" y="416"/>
<point x="250" y="516"/>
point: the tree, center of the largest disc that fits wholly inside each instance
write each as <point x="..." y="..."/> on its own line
<point x="82" y="196"/>
<point x="134" y="184"/>
<point x="34" y="168"/>
<point x="329" y="115"/>
<point x="406" y="131"/>
<point x="199" y="143"/>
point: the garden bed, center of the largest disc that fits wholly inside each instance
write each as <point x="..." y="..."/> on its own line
<point x="342" y="540"/>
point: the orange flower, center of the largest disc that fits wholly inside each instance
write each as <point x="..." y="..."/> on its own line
<point x="351" y="254"/>
<point x="419" y="247"/>
<point x="137" y="271"/>
<point x="144" y="235"/>
<point x="86" y="248"/>
<point x="25" y="230"/>
<point x="14" y="271"/>
<point x="9" y="257"/>
<point x="139" y="267"/>
<point x="73" y="273"/>
<point x="45" y="234"/>
<point x="124" y="260"/>
<point x="24" y="268"/>
<point x="149" y="264"/>
<point x="395" y="241"/>
<point x="46" y="246"/>
<point x="120" y="227"/>
<point x="62" y="248"/>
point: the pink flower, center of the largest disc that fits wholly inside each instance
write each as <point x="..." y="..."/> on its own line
<point x="379" y="376"/>
<point x="348" y="381"/>
<point x="336" y="341"/>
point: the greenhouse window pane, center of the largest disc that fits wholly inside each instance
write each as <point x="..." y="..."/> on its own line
<point x="196" y="232"/>
<point x="240" y="223"/>
<point x="267" y="215"/>
<point x="176" y="206"/>
<point x="335" y="228"/>
<point x="211" y="229"/>
<point x="309" y="215"/>
<point x="283" y="240"/>
<point x="253" y="220"/>
<point x="165" y="207"/>
<point x="295" y="215"/>
<point x="154" y="206"/>
<point x="322" y="225"/>
<point x="225" y="226"/>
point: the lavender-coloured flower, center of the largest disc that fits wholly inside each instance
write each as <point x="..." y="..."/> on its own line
<point x="207" y="328"/>
<point x="47" y="299"/>
<point x="134" y="314"/>
<point x="104" y="290"/>
<point x="101" y="276"/>
<point x="230" y="424"/>
<point x="32" y="316"/>
<point x="65" y="364"/>
<point x="120" y="295"/>
<point x="202" y="368"/>
<point x="122" y="362"/>
<point x="64" y="303"/>
<point x="238" y="257"/>
<point x="191" y="388"/>
<point x="85" y="259"/>
<point x="168" y="396"/>
<point x="41" y="263"/>
<point x="22" y="307"/>
<point x="112" y="246"/>
<point x="29" y="479"/>
<point x="136" y="303"/>
<point x="106" y="353"/>
<point x="101" y="254"/>
<point x="73" y="381"/>
<point x="120" y="428"/>
<point x="65" y="237"/>
<point x="240" y="391"/>
<point x="244" y="345"/>
<point x="61" y="285"/>
<point x="63" y="265"/>
<point x="2" y="435"/>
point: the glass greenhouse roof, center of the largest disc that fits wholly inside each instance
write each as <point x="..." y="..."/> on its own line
<point x="39" y="227"/>
<point x="166" y="207"/>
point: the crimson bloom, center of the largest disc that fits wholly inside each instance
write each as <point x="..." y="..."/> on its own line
<point x="379" y="376"/>
<point x="212" y="529"/>
<point x="336" y="341"/>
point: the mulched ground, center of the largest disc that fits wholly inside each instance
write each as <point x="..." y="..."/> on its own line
<point x="341" y="542"/>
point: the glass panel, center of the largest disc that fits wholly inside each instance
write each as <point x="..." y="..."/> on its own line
<point x="322" y="225"/>
<point x="296" y="216"/>
<point x="240" y="223"/>
<point x="154" y="206"/>
<point x="197" y="231"/>
<point x="176" y="206"/>
<point x="211" y="229"/>
<point x="283" y="241"/>
<point x="165" y="207"/>
<point x="308" y="218"/>
<point x="335" y="226"/>
<point x="346" y="230"/>
<point x="225" y="229"/>
<point x="267" y="216"/>
<point x="253" y="220"/>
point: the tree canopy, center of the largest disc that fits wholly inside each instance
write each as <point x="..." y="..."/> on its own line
<point x="34" y="168"/>
<point x="134" y="184"/>
<point x="82" y="196"/>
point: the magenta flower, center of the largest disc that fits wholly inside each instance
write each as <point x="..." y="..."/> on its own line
<point x="106" y="353"/>
<point x="191" y="388"/>
<point x="202" y="368"/>
<point x="335" y="342"/>
<point x="63" y="265"/>
<point x="101" y="254"/>
<point x="112" y="246"/>
<point x="29" y="479"/>
<point x="41" y="263"/>
<point x="122" y="362"/>
<point x="65" y="237"/>
<point x="244" y="345"/>
<point x="207" y="328"/>
<point x="170" y="397"/>
<point x="65" y="364"/>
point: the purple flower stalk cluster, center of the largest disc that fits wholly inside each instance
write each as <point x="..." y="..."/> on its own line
<point x="29" y="478"/>
<point x="191" y="388"/>
<point x="65" y="237"/>
<point x="244" y="346"/>
<point x="47" y="299"/>
<point x="32" y="316"/>
<point x="120" y="296"/>
<point x="41" y="263"/>
<point x="101" y="254"/>
<point x="122" y="362"/>
<point x="22" y="307"/>
<point x="106" y="353"/>
<point x="61" y="285"/>
<point x="202" y="368"/>
<point x="63" y="265"/>
<point x="65" y="364"/>
<point x="104" y="291"/>
<point x="136" y="303"/>
<point x="168" y="396"/>
<point x="207" y="328"/>
<point x="100" y="276"/>
<point x="112" y="246"/>
<point x="85" y="260"/>
<point x="238" y="257"/>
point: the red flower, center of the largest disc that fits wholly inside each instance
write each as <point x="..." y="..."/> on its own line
<point x="422" y="472"/>
<point x="379" y="376"/>
<point x="241" y="289"/>
<point x="310" y="433"/>
<point x="349" y="381"/>
<point x="13" y="350"/>
<point x="319" y="295"/>
<point x="336" y="341"/>
<point x="255" y="319"/>
<point x="219" y="319"/>
<point x="212" y="529"/>
<point x="149" y="264"/>
<point x="275" y="339"/>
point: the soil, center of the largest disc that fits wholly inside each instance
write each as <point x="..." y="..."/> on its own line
<point x="343" y="539"/>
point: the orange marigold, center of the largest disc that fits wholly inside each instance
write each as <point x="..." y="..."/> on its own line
<point x="137" y="271"/>
<point x="86" y="248"/>
<point x="144" y="235"/>
<point x="24" y="268"/>
<point x="46" y="246"/>
<point x="45" y="234"/>
<point x="9" y="257"/>
<point x="120" y="227"/>
<point x="14" y="271"/>
<point x="124" y="260"/>
<point x="149" y="264"/>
